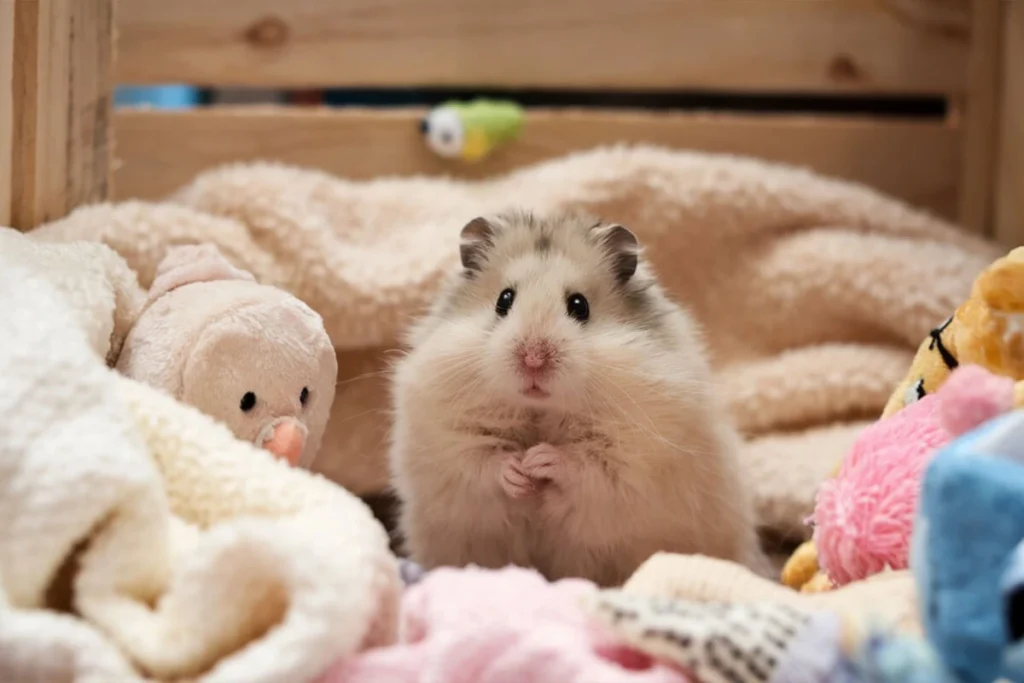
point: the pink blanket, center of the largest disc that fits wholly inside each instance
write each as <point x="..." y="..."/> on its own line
<point x="508" y="626"/>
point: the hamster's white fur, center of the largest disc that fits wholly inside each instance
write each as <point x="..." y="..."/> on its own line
<point x="622" y="450"/>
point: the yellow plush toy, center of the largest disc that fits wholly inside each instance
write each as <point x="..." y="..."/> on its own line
<point x="934" y="361"/>
<point x="986" y="330"/>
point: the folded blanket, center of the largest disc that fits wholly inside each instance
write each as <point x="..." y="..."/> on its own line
<point x="814" y="293"/>
<point x="679" y="618"/>
<point x="138" y="538"/>
<point x="472" y="625"/>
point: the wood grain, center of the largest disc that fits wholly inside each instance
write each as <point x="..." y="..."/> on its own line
<point x="161" y="151"/>
<point x="6" y="107"/>
<point x="1009" y="211"/>
<point x="979" y="110"/>
<point x="62" y="99"/>
<point x="790" y="45"/>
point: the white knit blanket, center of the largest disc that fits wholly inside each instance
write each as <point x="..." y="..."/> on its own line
<point x="140" y="540"/>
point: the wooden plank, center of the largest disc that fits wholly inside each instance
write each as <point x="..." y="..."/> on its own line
<point x="62" y="99"/>
<point x="980" y="110"/>
<point x="1009" y="211"/>
<point x="6" y="107"/>
<point x="160" y="151"/>
<point x="832" y="45"/>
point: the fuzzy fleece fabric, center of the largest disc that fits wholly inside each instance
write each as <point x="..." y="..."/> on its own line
<point x="139" y="540"/>
<point x="813" y="293"/>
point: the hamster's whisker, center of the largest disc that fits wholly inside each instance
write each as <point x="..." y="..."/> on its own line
<point x="465" y="390"/>
<point x="650" y="430"/>
<point x="462" y="389"/>
<point x="452" y="365"/>
<point x="369" y="411"/>
<point x="357" y="378"/>
<point x="456" y="360"/>
<point x="461" y="369"/>
<point x="466" y="380"/>
<point x="615" y="385"/>
<point x="644" y="376"/>
<point x="652" y="383"/>
<point x="588" y="405"/>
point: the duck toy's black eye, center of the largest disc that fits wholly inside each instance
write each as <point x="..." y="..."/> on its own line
<point x="304" y="395"/>
<point x="577" y="307"/>
<point x="504" y="304"/>
<point x="248" y="402"/>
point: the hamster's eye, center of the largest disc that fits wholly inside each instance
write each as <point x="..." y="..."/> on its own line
<point x="304" y="395"/>
<point x="576" y="306"/>
<point x="248" y="402"/>
<point x="505" y="300"/>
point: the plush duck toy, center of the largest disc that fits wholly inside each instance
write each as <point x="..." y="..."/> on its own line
<point x="471" y="130"/>
<point x="252" y="356"/>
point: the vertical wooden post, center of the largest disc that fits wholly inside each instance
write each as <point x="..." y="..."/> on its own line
<point x="6" y="107"/>
<point x="1009" y="185"/>
<point x="63" y="82"/>
<point x="979" y="110"/>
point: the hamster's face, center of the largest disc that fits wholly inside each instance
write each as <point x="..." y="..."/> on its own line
<point x="267" y="371"/>
<point x="545" y="313"/>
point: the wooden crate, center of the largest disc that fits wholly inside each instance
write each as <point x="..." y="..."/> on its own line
<point x="950" y="49"/>
<point x="1008" y="218"/>
<point x="56" y="77"/>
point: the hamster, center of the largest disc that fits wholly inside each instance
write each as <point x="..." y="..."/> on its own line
<point x="556" y="410"/>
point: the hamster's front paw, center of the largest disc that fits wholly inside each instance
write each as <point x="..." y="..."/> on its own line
<point x="544" y="462"/>
<point x="514" y="481"/>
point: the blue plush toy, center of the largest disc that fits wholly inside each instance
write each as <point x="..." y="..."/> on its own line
<point x="968" y="552"/>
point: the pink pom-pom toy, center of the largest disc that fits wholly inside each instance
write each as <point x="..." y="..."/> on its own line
<point x="864" y="516"/>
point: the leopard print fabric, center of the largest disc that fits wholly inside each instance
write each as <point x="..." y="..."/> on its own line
<point x="713" y="642"/>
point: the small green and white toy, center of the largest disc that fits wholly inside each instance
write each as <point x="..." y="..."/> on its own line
<point x="471" y="130"/>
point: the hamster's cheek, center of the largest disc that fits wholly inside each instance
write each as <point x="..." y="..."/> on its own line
<point x="612" y="348"/>
<point x="451" y="358"/>
<point x="497" y="362"/>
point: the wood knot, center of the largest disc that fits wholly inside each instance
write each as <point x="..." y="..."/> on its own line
<point x="267" y="32"/>
<point x="843" y="68"/>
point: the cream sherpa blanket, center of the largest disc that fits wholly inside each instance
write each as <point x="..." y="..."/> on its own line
<point x="814" y="293"/>
<point x="139" y="539"/>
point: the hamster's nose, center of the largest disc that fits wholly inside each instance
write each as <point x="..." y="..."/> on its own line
<point x="424" y="126"/>
<point x="286" y="438"/>
<point x="535" y="357"/>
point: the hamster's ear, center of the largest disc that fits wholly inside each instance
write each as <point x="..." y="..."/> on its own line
<point x="193" y="263"/>
<point x="476" y="237"/>
<point x="622" y="247"/>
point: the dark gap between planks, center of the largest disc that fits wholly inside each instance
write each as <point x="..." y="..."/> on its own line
<point x="888" y="106"/>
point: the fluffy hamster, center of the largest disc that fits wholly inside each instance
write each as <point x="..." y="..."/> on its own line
<point x="556" y="410"/>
